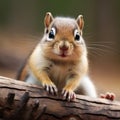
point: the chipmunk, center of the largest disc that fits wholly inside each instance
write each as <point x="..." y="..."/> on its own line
<point x="59" y="62"/>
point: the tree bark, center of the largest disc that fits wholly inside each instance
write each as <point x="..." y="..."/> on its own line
<point x="22" y="101"/>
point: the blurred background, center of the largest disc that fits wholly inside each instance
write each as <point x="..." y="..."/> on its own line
<point x="21" y="27"/>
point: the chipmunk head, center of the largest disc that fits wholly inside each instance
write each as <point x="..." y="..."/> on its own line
<point x="63" y="37"/>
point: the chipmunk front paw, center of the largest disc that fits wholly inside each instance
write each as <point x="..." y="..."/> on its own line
<point x="50" y="88"/>
<point x="68" y="95"/>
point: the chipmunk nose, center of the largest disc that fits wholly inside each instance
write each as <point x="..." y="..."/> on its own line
<point x="64" y="48"/>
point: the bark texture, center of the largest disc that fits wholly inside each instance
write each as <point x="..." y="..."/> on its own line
<point x="22" y="101"/>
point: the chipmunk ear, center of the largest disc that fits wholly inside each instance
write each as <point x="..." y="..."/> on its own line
<point x="48" y="19"/>
<point x="80" y="22"/>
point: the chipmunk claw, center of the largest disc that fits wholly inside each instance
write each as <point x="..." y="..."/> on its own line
<point x="68" y="95"/>
<point x="52" y="89"/>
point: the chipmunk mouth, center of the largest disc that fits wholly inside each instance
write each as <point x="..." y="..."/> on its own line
<point x="63" y="54"/>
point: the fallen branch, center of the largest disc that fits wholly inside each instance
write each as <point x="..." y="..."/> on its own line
<point x="22" y="101"/>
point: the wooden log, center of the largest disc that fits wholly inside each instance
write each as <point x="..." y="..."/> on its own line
<point x="22" y="101"/>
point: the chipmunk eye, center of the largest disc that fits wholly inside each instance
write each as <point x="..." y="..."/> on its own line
<point x="76" y="35"/>
<point x="51" y="34"/>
